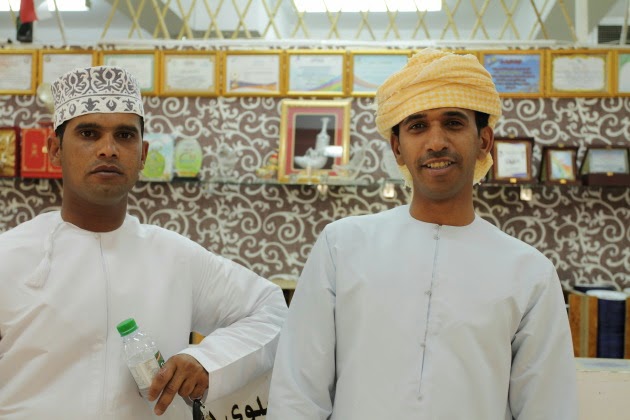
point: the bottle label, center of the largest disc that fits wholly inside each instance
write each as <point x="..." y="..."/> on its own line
<point x="159" y="358"/>
<point x="144" y="372"/>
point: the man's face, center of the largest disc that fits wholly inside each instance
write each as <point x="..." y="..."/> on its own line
<point x="440" y="147"/>
<point x="101" y="156"/>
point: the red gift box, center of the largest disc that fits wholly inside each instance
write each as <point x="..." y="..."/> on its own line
<point x="35" y="163"/>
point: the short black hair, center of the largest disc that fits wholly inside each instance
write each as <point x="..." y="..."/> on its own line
<point x="481" y="119"/>
<point x="59" y="131"/>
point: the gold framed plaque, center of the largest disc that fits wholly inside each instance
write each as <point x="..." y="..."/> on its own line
<point x="253" y="73"/>
<point x="18" y="72"/>
<point x="189" y="73"/>
<point x="143" y="65"/>
<point x="579" y="73"/>
<point x="55" y="63"/>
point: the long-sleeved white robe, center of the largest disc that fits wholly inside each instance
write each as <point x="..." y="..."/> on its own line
<point x="394" y="318"/>
<point x="60" y="353"/>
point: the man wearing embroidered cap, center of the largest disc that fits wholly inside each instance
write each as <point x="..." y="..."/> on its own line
<point x="69" y="277"/>
<point x="426" y="311"/>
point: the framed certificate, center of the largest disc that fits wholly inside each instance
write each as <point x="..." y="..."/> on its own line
<point x="606" y="160"/>
<point x="512" y="160"/>
<point x="369" y="69"/>
<point x="189" y="73"/>
<point x="316" y="73"/>
<point x="55" y="63"/>
<point x="606" y="165"/>
<point x="579" y="73"/>
<point x="142" y="64"/>
<point x="17" y="72"/>
<point x="622" y="65"/>
<point x="515" y="73"/>
<point x="252" y="73"/>
<point x="559" y="165"/>
<point x="314" y="139"/>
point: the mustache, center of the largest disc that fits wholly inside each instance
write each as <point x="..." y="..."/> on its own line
<point x="440" y="154"/>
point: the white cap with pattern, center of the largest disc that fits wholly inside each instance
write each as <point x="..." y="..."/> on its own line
<point x="95" y="90"/>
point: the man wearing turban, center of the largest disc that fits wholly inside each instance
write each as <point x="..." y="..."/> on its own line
<point x="427" y="311"/>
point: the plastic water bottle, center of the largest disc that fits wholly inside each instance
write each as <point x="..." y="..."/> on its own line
<point x="144" y="361"/>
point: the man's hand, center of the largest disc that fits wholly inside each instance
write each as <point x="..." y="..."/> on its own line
<point x="181" y="374"/>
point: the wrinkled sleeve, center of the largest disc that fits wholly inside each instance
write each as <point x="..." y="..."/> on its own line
<point x="302" y="384"/>
<point x="543" y="382"/>
<point x="240" y="314"/>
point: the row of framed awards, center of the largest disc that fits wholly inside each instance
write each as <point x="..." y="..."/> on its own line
<point x="319" y="73"/>
<point x="605" y="165"/>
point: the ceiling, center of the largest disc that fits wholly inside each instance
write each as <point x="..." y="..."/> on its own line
<point x="250" y="19"/>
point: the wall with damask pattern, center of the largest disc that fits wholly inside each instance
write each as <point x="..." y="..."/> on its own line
<point x="585" y="231"/>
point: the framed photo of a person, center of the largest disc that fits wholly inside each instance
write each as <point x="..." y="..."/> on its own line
<point x="142" y="64"/>
<point x="516" y="73"/>
<point x="579" y="73"/>
<point x="252" y="73"/>
<point x="54" y="63"/>
<point x="17" y="72"/>
<point x="316" y="73"/>
<point x="512" y="160"/>
<point x="189" y="73"/>
<point x="314" y="138"/>
<point x="559" y="165"/>
<point x="369" y="69"/>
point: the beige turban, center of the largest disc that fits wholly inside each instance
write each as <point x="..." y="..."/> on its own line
<point x="437" y="79"/>
<point x="95" y="90"/>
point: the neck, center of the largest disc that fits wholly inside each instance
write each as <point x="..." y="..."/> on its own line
<point x="448" y="212"/>
<point x="104" y="218"/>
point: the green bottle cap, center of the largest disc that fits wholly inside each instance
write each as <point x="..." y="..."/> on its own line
<point x="127" y="327"/>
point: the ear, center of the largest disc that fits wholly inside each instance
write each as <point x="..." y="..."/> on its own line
<point x="145" y="150"/>
<point x="394" y="142"/>
<point x="53" y="145"/>
<point x="487" y="140"/>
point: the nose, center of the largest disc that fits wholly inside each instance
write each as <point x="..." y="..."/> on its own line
<point x="437" y="139"/>
<point x="108" y="147"/>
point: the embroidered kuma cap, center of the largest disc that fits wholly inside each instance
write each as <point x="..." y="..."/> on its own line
<point x="438" y="79"/>
<point x="94" y="90"/>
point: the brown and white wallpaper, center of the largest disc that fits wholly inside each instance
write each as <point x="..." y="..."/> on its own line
<point x="270" y="228"/>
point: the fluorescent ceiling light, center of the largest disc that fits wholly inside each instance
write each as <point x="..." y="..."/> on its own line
<point x="313" y="6"/>
<point x="63" y="5"/>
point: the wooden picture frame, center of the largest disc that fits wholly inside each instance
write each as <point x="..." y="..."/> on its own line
<point x="370" y="68"/>
<point x="189" y="73"/>
<point x="516" y="73"/>
<point x="606" y="165"/>
<point x="576" y="73"/>
<point x="18" y="71"/>
<point x="606" y="160"/>
<point x="316" y="73"/>
<point x="314" y="138"/>
<point x="142" y="64"/>
<point x="55" y="63"/>
<point x="512" y="160"/>
<point x="559" y="165"/>
<point x="253" y="73"/>
<point x="9" y="152"/>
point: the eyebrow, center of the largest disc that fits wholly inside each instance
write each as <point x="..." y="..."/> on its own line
<point x="94" y="126"/>
<point x="422" y="116"/>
